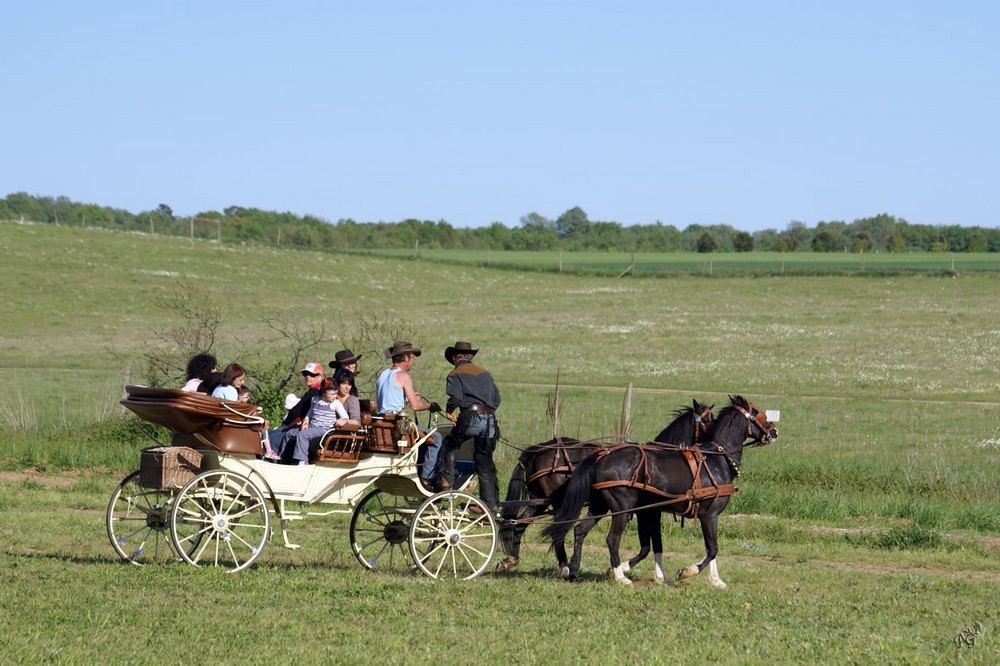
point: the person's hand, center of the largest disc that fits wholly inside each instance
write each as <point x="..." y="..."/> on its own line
<point x="451" y="417"/>
<point x="434" y="408"/>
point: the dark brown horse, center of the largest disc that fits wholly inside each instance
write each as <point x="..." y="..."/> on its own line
<point x="538" y="482"/>
<point x="690" y="481"/>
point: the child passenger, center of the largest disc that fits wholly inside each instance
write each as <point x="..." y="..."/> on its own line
<point x="326" y="412"/>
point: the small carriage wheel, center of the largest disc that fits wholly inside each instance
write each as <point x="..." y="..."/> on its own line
<point x="453" y="535"/>
<point x="138" y="522"/>
<point x="220" y="519"/>
<point x="380" y="531"/>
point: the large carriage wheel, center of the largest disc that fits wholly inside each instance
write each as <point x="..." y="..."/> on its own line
<point x="138" y="522"/>
<point x="453" y="535"/>
<point x="220" y="519"/>
<point x="380" y="531"/>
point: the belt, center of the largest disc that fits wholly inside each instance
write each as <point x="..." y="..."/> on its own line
<point x="481" y="409"/>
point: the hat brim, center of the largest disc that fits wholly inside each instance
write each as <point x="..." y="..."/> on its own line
<point x="390" y="352"/>
<point x="336" y="364"/>
<point x="450" y="352"/>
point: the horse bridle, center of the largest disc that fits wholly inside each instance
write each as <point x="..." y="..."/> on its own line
<point x="760" y="419"/>
<point x="702" y="423"/>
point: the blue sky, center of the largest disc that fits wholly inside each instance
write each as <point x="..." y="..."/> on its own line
<point x="751" y="114"/>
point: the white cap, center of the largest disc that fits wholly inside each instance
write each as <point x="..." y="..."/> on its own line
<point x="291" y="400"/>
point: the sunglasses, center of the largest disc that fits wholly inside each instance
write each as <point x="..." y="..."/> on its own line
<point x="310" y="374"/>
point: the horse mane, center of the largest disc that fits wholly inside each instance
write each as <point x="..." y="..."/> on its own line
<point x="729" y="418"/>
<point x="669" y="434"/>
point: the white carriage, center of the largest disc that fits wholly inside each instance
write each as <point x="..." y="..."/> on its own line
<point x="210" y="499"/>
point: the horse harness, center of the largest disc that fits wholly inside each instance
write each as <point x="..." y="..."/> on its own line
<point x="562" y="462"/>
<point x="694" y="496"/>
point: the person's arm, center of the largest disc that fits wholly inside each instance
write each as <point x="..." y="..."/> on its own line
<point x="413" y="399"/>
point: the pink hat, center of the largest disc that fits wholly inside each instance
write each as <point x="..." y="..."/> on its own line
<point x="313" y="369"/>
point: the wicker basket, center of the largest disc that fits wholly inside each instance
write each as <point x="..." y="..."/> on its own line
<point x="168" y="467"/>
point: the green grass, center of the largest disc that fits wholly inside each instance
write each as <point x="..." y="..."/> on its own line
<point x="794" y="596"/>
<point x="889" y="436"/>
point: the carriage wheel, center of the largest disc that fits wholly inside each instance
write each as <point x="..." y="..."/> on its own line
<point x="453" y="535"/>
<point x="220" y="519"/>
<point x="380" y="530"/>
<point x="138" y="521"/>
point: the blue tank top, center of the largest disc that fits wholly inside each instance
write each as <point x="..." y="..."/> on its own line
<point x="389" y="397"/>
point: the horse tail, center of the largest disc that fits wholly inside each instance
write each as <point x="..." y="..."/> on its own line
<point x="577" y="494"/>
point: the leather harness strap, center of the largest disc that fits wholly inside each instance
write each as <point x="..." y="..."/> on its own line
<point x="694" y="496"/>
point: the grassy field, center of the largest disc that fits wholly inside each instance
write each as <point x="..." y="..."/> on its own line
<point x="867" y="532"/>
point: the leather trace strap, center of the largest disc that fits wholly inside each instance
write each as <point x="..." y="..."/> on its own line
<point x="694" y="496"/>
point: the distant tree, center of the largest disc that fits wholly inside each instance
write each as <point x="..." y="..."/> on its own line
<point x="165" y="211"/>
<point x="573" y="224"/>
<point x="743" y="242"/>
<point x="233" y="211"/>
<point x="977" y="242"/>
<point x="824" y="241"/>
<point x="706" y="243"/>
<point x="862" y="242"/>
<point x="897" y="243"/>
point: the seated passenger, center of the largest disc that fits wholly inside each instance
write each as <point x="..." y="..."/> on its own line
<point x="394" y="391"/>
<point x="345" y="359"/>
<point x="198" y="369"/>
<point x="312" y="375"/>
<point x="232" y="379"/>
<point x="326" y="412"/>
<point x="211" y="382"/>
<point x="343" y="381"/>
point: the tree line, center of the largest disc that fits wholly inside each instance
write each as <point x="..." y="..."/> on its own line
<point x="573" y="230"/>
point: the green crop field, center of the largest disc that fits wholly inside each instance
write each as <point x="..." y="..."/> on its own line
<point x="647" y="264"/>
<point x="868" y="532"/>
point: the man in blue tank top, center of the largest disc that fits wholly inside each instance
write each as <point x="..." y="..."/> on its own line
<point x="394" y="391"/>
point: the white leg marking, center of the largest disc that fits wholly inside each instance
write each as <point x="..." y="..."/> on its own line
<point x="658" y="563"/>
<point x="626" y="567"/>
<point x="713" y="576"/>
<point x="619" y="577"/>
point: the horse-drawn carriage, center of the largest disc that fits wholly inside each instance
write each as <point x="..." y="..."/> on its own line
<point x="210" y="498"/>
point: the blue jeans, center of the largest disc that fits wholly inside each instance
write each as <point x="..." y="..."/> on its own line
<point x="429" y="454"/>
<point x="483" y="429"/>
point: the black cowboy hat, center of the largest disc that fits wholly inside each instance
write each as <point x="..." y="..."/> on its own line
<point x="459" y="348"/>
<point x="343" y="357"/>
<point x="401" y="347"/>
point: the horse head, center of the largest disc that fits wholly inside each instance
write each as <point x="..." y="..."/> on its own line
<point x="703" y="419"/>
<point x="759" y="429"/>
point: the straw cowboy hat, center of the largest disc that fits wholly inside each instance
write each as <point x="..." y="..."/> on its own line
<point x="459" y="348"/>
<point x="400" y="347"/>
<point x="344" y="357"/>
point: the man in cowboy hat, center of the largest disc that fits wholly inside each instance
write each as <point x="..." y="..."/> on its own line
<point x="394" y="391"/>
<point x="347" y="360"/>
<point x="472" y="390"/>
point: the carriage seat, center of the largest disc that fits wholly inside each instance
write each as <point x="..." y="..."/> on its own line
<point x="387" y="431"/>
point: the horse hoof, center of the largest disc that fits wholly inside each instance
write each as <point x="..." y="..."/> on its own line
<point x="507" y="563"/>
<point x="686" y="572"/>
<point x="565" y="574"/>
